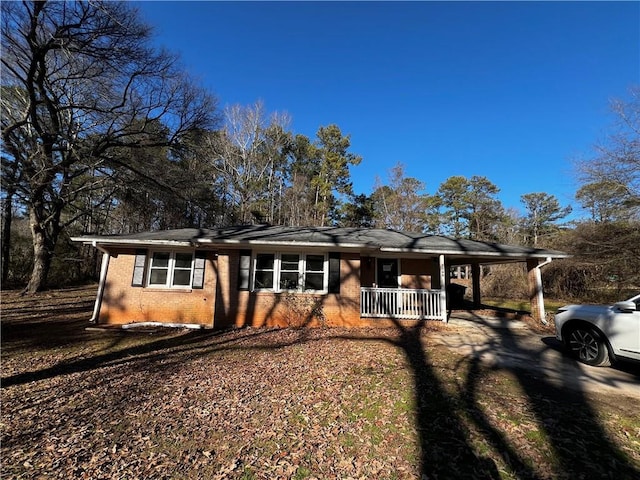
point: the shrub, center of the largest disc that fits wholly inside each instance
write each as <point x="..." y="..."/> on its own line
<point x="509" y="280"/>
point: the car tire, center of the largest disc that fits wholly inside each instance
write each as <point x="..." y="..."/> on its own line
<point x="588" y="346"/>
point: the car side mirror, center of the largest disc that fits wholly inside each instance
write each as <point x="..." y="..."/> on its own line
<point x="625" y="306"/>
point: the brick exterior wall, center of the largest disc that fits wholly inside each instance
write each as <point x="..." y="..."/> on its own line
<point x="417" y="273"/>
<point x="220" y="304"/>
<point x="123" y="303"/>
<point x="236" y="308"/>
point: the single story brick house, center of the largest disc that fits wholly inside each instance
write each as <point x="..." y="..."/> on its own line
<point x="260" y="275"/>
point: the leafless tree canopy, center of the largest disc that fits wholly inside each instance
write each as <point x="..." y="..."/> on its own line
<point x="615" y="167"/>
<point x="80" y="80"/>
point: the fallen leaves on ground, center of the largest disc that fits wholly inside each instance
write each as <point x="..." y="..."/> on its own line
<point x="230" y="404"/>
<point x="273" y="404"/>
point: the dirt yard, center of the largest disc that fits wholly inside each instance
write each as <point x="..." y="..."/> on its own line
<point x="286" y="403"/>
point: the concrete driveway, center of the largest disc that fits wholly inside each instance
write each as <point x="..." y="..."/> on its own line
<point x="511" y="344"/>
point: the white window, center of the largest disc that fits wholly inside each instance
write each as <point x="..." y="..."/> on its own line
<point x="264" y="271"/>
<point x="314" y="272"/>
<point x="290" y="272"/>
<point x="171" y="269"/>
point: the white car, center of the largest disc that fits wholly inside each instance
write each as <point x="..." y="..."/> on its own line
<point x="597" y="334"/>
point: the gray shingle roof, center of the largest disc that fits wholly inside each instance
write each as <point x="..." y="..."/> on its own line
<point x="362" y="239"/>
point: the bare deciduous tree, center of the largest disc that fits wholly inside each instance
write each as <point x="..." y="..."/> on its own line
<point x="606" y="245"/>
<point x="616" y="163"/>
<point x="89" y="83"/>
<point x="250" y="155"/>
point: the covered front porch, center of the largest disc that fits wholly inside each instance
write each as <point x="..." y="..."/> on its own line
<point x="403" y="303"/>
<point x="420" y="288"/>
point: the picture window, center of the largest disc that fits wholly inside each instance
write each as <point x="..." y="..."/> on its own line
<point x="290" y="272"/>
<point x="171" y="269"/>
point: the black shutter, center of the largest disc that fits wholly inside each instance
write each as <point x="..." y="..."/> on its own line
<point x="244" y="270"/>
<point x="334" y="272"/>
<point x="198" y="269"/>
<point x="139" y="268"/>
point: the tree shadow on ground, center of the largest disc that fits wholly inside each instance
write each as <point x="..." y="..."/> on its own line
<point x="444" y="447"/>
<point x="444" y="442"/>
<point x="48" y="319"/>
<point x="562" y="409"/>
<point x="162" y="345"/>
<point x="568" y="422"/>
<point x="630" y="367"/>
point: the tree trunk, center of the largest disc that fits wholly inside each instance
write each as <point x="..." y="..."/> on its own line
<point x="7" y="217"/>
<point x="44" y="237"/>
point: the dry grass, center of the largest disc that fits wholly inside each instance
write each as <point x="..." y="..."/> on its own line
<point x="288" y="403"/>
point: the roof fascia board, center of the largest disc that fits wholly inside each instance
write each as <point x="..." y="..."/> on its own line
<point x="101" y="241"/>
<point x="291" y="243"/>
<point x="116" y="242"/>
<point x="485" y="253"/>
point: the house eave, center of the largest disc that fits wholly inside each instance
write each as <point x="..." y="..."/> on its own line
<point x="103" y="242"/>
<point x="504" y="256"/>
<point x="480" y="256"/>
<point x="294" y="244"/>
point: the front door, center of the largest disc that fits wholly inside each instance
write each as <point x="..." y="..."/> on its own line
<point x="387" y="273"/>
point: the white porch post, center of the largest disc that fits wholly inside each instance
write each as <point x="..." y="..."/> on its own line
<point x="540" y="300"/>
<point x="535" y="288"/>
<point x="443" y="294"/>
<point x="539" y="291"/>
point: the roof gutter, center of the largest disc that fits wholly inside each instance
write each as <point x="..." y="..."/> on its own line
<point x="97" y="246"/>
<point x="101" y="242"/>
<point x="514" y="255"/>
<point x="181" y="243"/>
<point x="288" y="243"/>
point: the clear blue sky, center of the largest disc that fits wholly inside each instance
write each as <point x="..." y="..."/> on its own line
<point x="513" y="91"/>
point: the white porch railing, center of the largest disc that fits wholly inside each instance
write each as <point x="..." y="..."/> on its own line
<point x="401" y="303"/>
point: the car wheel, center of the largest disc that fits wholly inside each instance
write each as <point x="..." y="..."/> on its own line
<point x="588" y="346"/>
